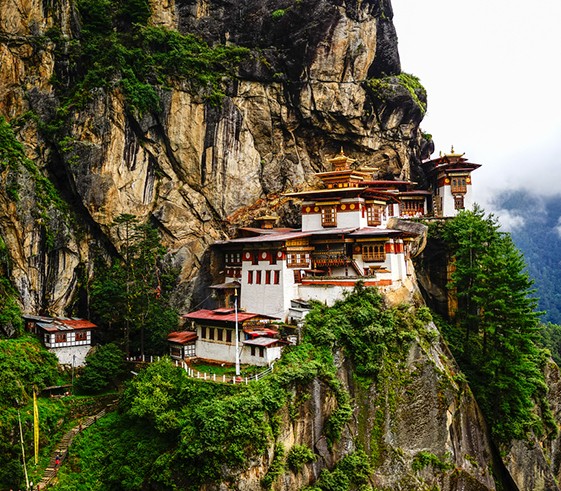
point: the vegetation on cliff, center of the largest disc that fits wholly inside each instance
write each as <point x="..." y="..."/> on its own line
<point x="494" y="331"/>
<point x="118" y="49"/>
<point x="188" y="432"/>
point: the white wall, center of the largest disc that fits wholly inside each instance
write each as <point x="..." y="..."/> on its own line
<point x="65" y="355"/>
<point x="273" y="300"/>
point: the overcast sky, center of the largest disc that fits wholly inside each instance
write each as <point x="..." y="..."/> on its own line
<point x="492" y="70"/>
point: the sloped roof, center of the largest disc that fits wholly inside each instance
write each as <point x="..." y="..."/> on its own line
<point x="182" y="337"/>
<point x="222" y="315"/>
<point x="261" y="341"/>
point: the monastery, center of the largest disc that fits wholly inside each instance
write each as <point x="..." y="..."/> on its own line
<point x="354" y="228"/>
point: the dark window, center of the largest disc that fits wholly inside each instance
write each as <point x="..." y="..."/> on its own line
<point x="228" y="335"/>
<point x="258" y="277"/>
<point x="459" y="202"/>
<point x="255" y="257"/>
<point x="250" y="277"/>
<point x="261" y="352"/>
<point x="374" y="215"/>
<point x="203" y="332"/>
<point x="277" y="277"/>
<point x="60" y="337"/>
<point x="211" y="333"/>
<point x="219" y="334"/>
<point x="81" y="336"/>
<point x="329" y="216"/>
<point x="253" y="351"/>
<point x="267" y="277"/>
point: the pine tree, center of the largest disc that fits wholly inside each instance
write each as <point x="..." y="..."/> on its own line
<point x="132" y="293"/>
<point x="496" y="314"/>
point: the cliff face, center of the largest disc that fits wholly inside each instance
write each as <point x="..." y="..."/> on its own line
<point x="419" y="424"/>
<point x="301" y="94"/>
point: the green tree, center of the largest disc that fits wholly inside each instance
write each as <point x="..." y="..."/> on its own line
<point x="498" y="324"/>
<point x="104" y="367"/>
<point x="132" y="293"/>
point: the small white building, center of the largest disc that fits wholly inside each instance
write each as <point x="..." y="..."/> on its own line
<point x="70" y="339"/>
<point x="451" y="183"/>
<point x="182" y="344"/>
<point x="215" y="330"/>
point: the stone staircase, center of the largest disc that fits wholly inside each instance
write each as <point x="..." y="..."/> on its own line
<point x="62" y="447"/>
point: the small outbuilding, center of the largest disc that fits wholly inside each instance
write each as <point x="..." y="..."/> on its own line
<point x="70" y="339"/>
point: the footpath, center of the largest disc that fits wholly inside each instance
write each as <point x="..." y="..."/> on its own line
<point x="61" y="450"/>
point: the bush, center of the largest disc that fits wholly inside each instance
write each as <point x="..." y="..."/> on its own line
<point x="104" y="366"/>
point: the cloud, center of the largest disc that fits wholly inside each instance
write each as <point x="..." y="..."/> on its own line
<point x="509" y="221"/>
<point x="491" y="70"/>
<point x="558" y="228"/>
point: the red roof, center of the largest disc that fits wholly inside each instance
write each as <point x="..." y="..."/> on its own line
<point x="77" y="323"/>
<point x="222" y="315"/>
<point x="182" y="337"/>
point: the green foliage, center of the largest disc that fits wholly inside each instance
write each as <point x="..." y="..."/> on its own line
<point x="385" y="88"/>
<point x="277" y="14"/>
<point x="24" y="364"/>
<point x="104" y="366"/>
<point x="298" y="456"/>
<point x="426" y="459"/>
<point x="131" y="295"/>
<point x="351" y="473"/>
<point x="276" y="468"/>
<point x="494" y="332"/>
<point x="549" y="337"/>
<point x="362" y="327"/>
<point x="13" y="159"/>
<point x="10" y="312"/>
<point x="117" y="48"/>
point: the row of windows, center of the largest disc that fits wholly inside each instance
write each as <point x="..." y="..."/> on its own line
<point x="233" y="258"/>
<point x="217" y="334"/>
<point x="375" y="252"/>
<point x="63" y="337"/>
<point x="298" y="259"/>
<point x="373" y="215"/>
<point x="459" y="185"/>
<point x="269" y="277"/>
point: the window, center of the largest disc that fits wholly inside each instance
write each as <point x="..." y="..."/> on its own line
<point x="258" y="277"/>
<point x="261" y="352"/>
<point x="219" y="334"/>
<point x="60" y="337"/>
<point x="211" y="333"/>
<point x="175" y="351"/>
<point x="274" y="256"/>
<point x="298" y="260"/>
<point x="373" y="252"/>
<point x="203" y="332"/>
<point x="276" y="278"/>
<point x="253" y="351"/>
<point x="268" y="277"/>
<point x="229" y="336"/>
<point x="329" y="216"/>
<point x="255" y="257"/>
<point x="459" y="185"/>
<point x="250" y="277"/>
<point x="374" y="215"/>
<point x="190" y="351"/>
<point x="81" y="336"/>
<point x="459" y="202"/>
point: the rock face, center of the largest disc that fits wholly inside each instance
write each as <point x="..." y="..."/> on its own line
<point x="299" y="97"/>
<point x="418" y="422"/>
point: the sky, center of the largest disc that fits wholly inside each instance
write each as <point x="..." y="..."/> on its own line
<point x="492" y="71"/>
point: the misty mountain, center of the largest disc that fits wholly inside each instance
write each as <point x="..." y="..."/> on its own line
<point x="536" y="230"/>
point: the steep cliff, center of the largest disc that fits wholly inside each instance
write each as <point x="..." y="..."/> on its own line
<point x="317" y="75"/>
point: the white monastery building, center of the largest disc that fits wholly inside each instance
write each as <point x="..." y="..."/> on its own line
<point x="355" y="227"/>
